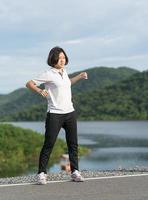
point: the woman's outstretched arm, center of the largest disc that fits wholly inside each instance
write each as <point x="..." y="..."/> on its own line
<point x="82" y="75"/>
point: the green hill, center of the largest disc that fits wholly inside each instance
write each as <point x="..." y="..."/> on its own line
<point x="100" y="77"/>
<point x="13" y="96"/>
<point x="16" y="103"/>
<point x="25" y="105"/>
<point x="20" y="148"/>
<point x="127" y="100"/>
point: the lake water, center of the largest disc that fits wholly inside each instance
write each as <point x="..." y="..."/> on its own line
<point x="114" y="145"/>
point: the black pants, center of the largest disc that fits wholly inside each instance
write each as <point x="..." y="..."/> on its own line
<point x="54" y="122"/>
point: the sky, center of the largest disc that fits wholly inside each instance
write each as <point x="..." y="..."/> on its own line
<point x="93" y="33"/>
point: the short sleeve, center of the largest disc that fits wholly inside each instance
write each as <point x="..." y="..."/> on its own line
<point x="42" y="78"/>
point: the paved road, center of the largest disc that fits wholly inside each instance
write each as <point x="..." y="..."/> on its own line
<point x="123" y="188"/>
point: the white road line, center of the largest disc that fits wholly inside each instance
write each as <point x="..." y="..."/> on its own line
<point x="17" y="184"/>
<point x="121" y="176"/>
<point x="61" y="181"/>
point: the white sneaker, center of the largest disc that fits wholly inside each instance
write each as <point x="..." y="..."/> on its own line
<point x="76" y="176"/>
<point x="42" y="178"/>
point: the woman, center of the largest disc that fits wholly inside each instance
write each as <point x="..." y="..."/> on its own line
<point x="60" y="111"/>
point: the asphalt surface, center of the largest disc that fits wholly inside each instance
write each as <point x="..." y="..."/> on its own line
<point x="121" y="188"/>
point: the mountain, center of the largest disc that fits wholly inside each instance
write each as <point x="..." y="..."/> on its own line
<point x="128" y="99"/>
<point x="101" y="77"/>
<point x="18" y="101"/>
<point x="13" y="96"/>
<point x="23" y="104"/>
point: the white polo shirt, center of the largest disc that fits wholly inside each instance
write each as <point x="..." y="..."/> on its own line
<point x="59" y="89"/>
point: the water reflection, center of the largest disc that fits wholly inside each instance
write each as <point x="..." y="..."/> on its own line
<point x="113" y="152"/>
<point x="113" y="144"/>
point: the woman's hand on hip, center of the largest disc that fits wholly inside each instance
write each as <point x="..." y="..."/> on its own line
<point x="44" y="92"/>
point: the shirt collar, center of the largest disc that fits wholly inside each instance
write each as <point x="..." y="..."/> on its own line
<point x="56" y="70"/>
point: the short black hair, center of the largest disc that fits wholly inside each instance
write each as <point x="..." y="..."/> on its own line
<point x="53" y="56"/>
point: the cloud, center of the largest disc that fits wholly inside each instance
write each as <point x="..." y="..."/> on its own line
<point x="93" y="33"/>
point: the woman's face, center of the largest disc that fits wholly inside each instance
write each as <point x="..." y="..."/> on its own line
<point x="61" y="62"/>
